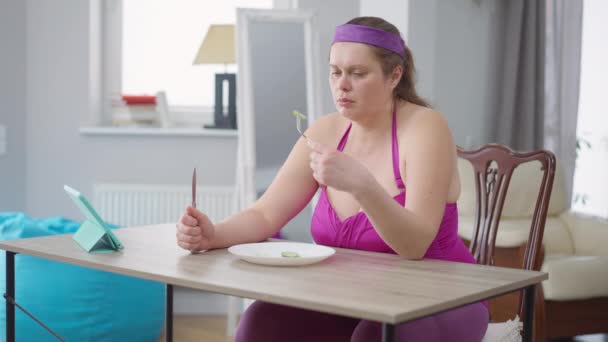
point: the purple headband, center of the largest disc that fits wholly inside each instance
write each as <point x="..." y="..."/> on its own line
<point x="371" y="36"/>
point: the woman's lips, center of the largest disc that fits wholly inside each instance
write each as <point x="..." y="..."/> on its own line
<point x="345" y="102"/>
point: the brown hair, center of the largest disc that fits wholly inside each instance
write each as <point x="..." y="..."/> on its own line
<point x="389" y="60"/>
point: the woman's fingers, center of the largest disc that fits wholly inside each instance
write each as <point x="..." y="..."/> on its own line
<point x="186" y="245"/>
<point x="197" y="215"/>
<point x="315" y="160"/>
<point x="188" y="220"/>
<point x="192" y="239"/>
<point x="188" y="230"/>
<point x="189" y="242"/>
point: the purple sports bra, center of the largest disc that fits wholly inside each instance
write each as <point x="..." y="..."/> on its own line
<point x="357" y="232"/>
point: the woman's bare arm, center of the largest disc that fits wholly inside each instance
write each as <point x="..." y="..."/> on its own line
<point x="429" y="165"/>
<point x="289" y="193"/>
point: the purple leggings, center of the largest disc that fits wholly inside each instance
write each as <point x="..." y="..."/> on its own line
<point x="271" y="322"/>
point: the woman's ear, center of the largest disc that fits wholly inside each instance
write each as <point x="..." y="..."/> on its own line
<point x="396" y="75"/>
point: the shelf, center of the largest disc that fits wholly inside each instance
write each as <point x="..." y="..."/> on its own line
<point x="157" y="131"/>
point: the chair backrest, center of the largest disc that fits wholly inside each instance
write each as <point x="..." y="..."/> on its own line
<point x="493" y="166"/>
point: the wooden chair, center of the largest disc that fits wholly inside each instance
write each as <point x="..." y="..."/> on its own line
<point x="493" y="167"/>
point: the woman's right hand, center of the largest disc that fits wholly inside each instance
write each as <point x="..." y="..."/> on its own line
<point x="194" y="231"/>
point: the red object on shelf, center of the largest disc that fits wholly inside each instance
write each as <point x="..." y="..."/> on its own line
<point x="139" y="99"/>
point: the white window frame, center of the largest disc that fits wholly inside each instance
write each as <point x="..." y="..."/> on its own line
<point x="111" y="21"/>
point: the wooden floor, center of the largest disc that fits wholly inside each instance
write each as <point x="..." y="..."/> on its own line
<point x="199" y="328"/>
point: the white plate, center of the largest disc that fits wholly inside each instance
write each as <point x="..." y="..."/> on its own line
<point x="269" y="253"/>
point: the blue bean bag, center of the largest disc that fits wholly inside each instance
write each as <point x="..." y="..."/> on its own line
<point x="79" y="304"/>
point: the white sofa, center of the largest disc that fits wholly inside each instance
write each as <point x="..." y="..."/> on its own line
<point x="575" y="247"/>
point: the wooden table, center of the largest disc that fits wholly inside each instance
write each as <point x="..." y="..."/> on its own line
<point x="372" y="286"/>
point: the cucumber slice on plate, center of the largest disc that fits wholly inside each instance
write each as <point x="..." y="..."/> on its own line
<point x="289" y="254"/>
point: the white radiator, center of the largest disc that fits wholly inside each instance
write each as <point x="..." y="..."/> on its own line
<point x="142" y="204"/>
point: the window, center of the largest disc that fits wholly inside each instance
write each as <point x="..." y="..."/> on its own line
<point x="590" y="186"/>
<point x="151" y="44"/>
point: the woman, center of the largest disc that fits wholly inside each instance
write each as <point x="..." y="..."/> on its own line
<point x="383" y="137"/>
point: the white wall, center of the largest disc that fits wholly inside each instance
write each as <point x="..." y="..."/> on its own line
<point x="422" y="42"/>
<point x="283" y="4"/>
<point x="453" y="46"/>
<point x="329" y="15"/>
<point x="394" y="11"/>
<point x="12" y="103"/>
<point x="465" y="83"/>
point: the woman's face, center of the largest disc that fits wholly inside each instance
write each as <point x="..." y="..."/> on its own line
<point x="357" y="82"/>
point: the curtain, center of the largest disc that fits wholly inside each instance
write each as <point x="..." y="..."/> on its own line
<point x="518" y="117"/>
<point x="564" y="22"/>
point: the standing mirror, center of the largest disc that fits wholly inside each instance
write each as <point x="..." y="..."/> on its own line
<point x="276" y="50"/>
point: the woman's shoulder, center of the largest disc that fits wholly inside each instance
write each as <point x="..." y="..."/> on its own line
<point x="419" y="120"/>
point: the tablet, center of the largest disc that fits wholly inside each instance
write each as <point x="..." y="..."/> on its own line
<point x="89" y="212"/>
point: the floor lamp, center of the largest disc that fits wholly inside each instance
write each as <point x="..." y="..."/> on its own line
<point x="218" y="48"/>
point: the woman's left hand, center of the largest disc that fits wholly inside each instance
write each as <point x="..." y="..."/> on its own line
<point x="336" y="169"/>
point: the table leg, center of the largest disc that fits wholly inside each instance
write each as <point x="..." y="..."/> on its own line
<point x="388" y="332"/>
<point x="528" y="313"/>
<point x="169" y="314"/>
<point x="9" y="296"/>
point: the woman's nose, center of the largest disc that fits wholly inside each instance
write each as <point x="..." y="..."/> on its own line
<point x="343" y="83"/>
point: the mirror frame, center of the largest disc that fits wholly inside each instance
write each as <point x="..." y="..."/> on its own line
<point x="246" y="163"/>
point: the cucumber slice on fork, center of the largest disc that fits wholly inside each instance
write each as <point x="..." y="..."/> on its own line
<point x="299" y="117"/>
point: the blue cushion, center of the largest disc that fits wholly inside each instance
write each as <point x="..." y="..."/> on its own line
<point x="78" y="303"/>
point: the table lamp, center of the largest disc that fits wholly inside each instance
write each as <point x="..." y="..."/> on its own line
<point x="218" y="48"/>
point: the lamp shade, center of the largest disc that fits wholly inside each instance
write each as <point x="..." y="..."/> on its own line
<point x="217" y="47"/>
